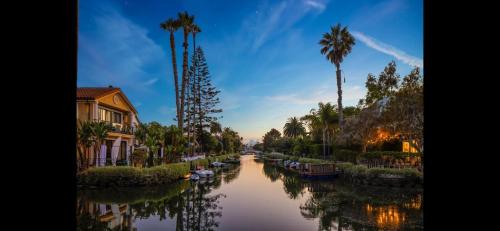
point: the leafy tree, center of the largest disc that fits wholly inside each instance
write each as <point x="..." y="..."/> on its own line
<point x="270" y="140"/>
<point x="385" y="85"/>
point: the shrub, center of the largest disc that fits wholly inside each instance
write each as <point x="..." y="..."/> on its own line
<point x="344" y="166"/>
<point x="391" y="154"/>
<point x="131" y="176"/>
<point x="346" y="155"/>
<point x="312" y="161"/>
<point x="139" y="156"/>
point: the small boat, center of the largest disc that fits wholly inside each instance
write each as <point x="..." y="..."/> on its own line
<point x="209" y="173"/>
<point x="231" y="161"/>
<point x="194" y="177"/>
<point x="217" y="164"/>
<point x="201" y="173"/>
<point x="204" y="173"/>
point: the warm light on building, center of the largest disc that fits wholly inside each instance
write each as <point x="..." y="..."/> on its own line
<point x="407" y="148"/>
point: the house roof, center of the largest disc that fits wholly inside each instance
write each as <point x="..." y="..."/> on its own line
<point x="93" y="93"/>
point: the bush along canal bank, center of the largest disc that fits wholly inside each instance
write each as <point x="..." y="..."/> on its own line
<point x="127" y="176"/>
<point x="360" y="174"/>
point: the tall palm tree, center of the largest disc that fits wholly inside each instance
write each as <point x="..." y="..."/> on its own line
<point x="171" y="25"/>
<point x="293" y="128"/>
<point x="186" y="21"/>
<point x="336" y="45"/>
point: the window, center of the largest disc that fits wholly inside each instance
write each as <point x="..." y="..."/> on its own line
<point x="117" y="117"/>
<point x="110" y="116"/>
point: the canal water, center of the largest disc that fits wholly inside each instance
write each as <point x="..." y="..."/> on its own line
<point x="251" y="196"/>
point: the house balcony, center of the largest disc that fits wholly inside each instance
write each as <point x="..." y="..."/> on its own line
<point x="122" y="129"/>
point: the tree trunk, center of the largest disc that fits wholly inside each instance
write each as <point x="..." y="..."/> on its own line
<point x="339" y="100"/>
<point x="324" y="153"/>
<point x="176" y="81"/>
<point x="184" y="79"/>
<point x="363" y="150"/>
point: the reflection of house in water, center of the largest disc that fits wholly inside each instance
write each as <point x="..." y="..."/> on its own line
<point x="113" y="215"/>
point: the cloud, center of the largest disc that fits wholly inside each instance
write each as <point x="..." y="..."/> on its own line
<point x="322" y="94"/>
<point x="274" y="20"/>
<point x="318" y="5"/>
<point x="115" y="50"/>
<point x="149" y="82"/>
<point x="387" y="49"/>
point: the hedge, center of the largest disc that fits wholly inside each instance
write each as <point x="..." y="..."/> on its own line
<point x="346" y="155"/>
<point x="362" y="174"/>
<point x="124" y="176"/>
<point x="392" y="154"/>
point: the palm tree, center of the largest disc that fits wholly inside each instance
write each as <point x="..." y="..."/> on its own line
<point x="171" y="25"/>
<point x="85" y="140"/>
<point x="100" y="130"/>
<point x="328" y="118"/>
<point x="186" y="21"/>
<point x="194" y="30"/>
<point x="294" y="128"/>
<point x="336" y="45"/>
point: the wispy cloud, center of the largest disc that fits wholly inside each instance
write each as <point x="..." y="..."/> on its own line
<point x="387" y="49"/>
<point x="149" y="82"/>
<point x="273" y="20"/>
<point x="113" y="35"/>
<point x="316" y="4"/>
<point x="351" y="94"/>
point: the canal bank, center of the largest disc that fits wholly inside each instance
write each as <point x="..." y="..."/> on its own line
<point x="355" y="174"/>
<point x="253" y="196"/>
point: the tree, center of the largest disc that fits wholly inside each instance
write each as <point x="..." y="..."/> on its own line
<point x="154" y="136"/>
<point x="100" y="131"/>
<point x="171" y="25"/>
<point x="85" y="140"/>
<point x="385" y="85"/>
<point x="140" y="133"/>
<point x="324" y="120"/>
<point x="231" y="140"/>
<point x="204" y="95"/>
<point x="186" y="21"/>
<point x="270" y="140"/>
<point x="293" y="128"/>
<point x="190" y="121"/>
<point x="405" y="112"/>
<point x="174" y="142"/>
<point x="336" y="45"/>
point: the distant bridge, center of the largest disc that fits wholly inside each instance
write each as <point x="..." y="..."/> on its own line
<point x="250" y="152"/>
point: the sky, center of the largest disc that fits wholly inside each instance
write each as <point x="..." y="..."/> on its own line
<point x="263" y="55"/>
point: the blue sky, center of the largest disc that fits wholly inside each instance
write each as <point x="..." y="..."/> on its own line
<point x="263" y="55"/>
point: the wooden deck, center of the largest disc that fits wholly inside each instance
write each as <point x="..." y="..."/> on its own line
<point x="317" y="170"/>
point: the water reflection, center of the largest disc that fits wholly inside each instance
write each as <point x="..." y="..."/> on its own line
<point x="189" y="204"/>
<point x="260" y="197"/>
<point x="340" y="206"/>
